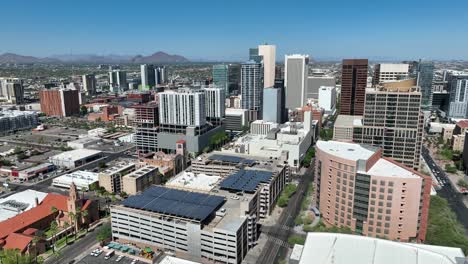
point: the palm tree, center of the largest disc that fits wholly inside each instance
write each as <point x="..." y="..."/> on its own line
<point x="72" y="216"/>
<point x="85" y="214"/>
<point x="53" y="230"/>
<point x="66" y="225"/>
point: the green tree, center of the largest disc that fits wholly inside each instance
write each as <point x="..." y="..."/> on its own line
<point x="14" y="256"/>
<point x="53" y="230"/>
<point x="443" y="227"/>
<point x="104" y="233"/>
<point x="83" y="110"/>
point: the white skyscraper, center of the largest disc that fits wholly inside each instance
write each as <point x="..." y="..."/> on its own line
<point x="295" y="80"/>
<point x="185" y="107"/>
<point x="214" y="104"/>
<point x="268" y="52"/>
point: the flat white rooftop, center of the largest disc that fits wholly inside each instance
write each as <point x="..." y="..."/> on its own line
<point x="80" y="178"/>
<point x="190" y="180"/>
<point x="386" y="168"/>
<point x="328" y="248"/>
<point x="76" y="154"/>
<point x="350" y="151"/>
<point x="348" y="121"/>
<point x="19" y="202"/>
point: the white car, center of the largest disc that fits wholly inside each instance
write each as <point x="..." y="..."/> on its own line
<point x="134" y="261"/>
<point x="119" y="258"/>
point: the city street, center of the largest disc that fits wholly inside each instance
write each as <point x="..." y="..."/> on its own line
<point x="278" y="234"/>
<point x="454" y="198"/>
<point x="74" y="250"/>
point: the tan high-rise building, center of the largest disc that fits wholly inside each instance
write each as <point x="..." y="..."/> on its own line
<point x="268" y="52"/>
<point x="140" y="179"/>
<point x="374" y="196"/>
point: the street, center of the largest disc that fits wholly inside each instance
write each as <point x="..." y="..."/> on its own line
<point x="454" y="198"/>
<point x="72" y="251"/>
<point x="273" y="250"/>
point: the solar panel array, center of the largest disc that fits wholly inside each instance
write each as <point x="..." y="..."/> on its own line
<point x="173" y="202"/>
<point x="246" y="180"/>
<point x="232" y="159"/>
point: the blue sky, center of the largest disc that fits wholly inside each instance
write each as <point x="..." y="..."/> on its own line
<point x="223" y="30"/>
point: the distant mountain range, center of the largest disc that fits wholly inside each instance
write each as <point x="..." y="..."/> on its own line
<point x="158" y="57"/>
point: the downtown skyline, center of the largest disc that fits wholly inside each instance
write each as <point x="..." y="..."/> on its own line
<point x="211" y="31"/>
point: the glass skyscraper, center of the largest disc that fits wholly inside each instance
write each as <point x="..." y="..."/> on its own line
<point x="221" y="77"/>
<point x="425" y="76"/>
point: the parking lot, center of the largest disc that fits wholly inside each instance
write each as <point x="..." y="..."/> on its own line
<point x="100" y="259"/>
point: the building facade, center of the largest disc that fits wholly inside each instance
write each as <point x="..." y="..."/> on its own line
<point x="268" y="53"/>
<point x="89" y="84"/>
<point x="272" y="102"/>
<point x="458" y="106"/>
<point x="12" y="90"/>
<point x="315" y="82"/>
<point x="327" y="99"/>
<point x="371" y="195"/>
<point x="60" y="102"/>
<point x="252" y="88"/>
<point x="148" y="79"/>
<point x="118" y="81"/>
<point x="390" y="72"/>
<point x="215" y="108"/>
<point x="220" y="75"/>
<point x="353" y="86"/>
<point x="295" y="80"/>
<point x="147" y="123"/>
<point x="425" y="76"/>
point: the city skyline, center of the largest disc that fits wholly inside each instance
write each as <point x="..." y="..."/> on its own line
<point x="317" y="29"/>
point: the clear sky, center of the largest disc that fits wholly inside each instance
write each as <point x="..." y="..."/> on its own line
<point x="225" y="29"/>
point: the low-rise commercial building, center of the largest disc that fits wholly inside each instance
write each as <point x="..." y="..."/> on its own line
<point x="371" y="195"/>
<point x="34" y="171"/>
<point x="20" y="202"/>
<point x="75" y="158"/>
<point x="84" y="142"/>
<point x="111" y="178"/>
<point x="83" y="180"/>
<point x="139" y="180"/>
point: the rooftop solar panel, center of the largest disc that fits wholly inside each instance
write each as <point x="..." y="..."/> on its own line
<point x="245" y="180"/>
<point x="232" y="159"/>
<point x="179" y="203"/>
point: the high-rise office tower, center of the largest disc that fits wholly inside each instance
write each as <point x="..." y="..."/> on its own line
<point x="458" y="88"/>
<point x="389" y="72"/>
<point x="371" y="195"/>
<point x="221" y="77"/>
<point x="425" y="75"/>
<point x="252" y="88"/>
<point x="214" y="105"/>
<point x="12" y="90"/>
<point x="279" y="72"/>
<point x="60" y="102"/>
<point x="146" y="123"/>
<point x="118" y="81"/>
<point x="279" y="84"/>
<point x="234" y="79"/>
<point x="272" y="111"/>
<point x="295" y="80"/>
<point x="393" y="121"/>
<point x="148" y="79"/>
<point x="353" y="86"/>
<point x="89" y="84"/>
<point x="161" y="75"/>
<point x="268" y="52"/>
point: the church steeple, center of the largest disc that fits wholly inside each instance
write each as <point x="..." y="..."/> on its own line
<point x="72" y="198"/>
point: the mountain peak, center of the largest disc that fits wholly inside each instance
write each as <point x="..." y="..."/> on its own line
<point x="159" y="57"/>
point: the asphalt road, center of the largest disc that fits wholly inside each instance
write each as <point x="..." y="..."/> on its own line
<point x="72" y="251"/>
<point x="454" y="198"/>
<point x="276" y="245"/>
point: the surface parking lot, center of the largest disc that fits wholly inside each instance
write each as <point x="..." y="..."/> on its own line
<point x="100" y="259"/>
